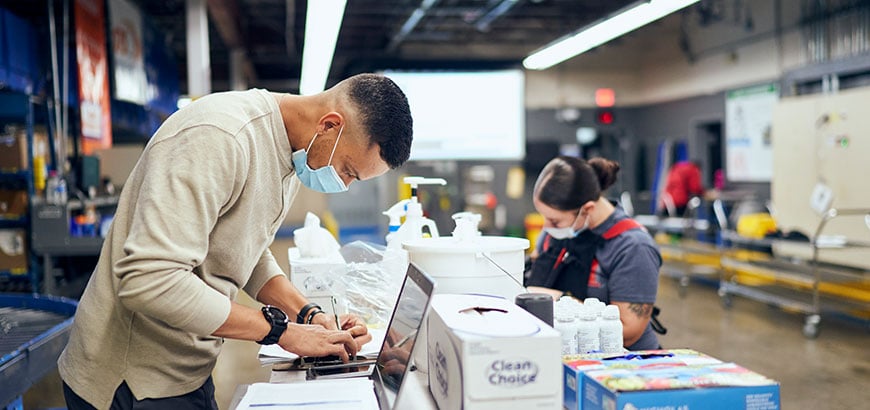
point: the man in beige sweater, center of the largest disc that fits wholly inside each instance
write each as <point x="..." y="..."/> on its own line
<point x="193" y="226"/>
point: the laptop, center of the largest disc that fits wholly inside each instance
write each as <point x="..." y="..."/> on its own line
<point x="393" y="364"/>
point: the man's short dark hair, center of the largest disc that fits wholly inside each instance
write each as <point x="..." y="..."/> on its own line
<point x="385" y="114"/>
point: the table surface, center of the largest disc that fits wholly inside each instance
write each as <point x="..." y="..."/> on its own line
<point x="414" y="390"/>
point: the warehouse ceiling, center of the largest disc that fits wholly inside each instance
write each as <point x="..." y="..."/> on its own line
<point x="377" y="34"/>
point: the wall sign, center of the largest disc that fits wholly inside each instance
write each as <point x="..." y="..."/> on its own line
<point x="90" y="23"/>
<point x="748" y="116"/>
<point x="129" y="65"/>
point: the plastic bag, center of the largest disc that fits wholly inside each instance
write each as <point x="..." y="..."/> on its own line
<point x="372" y="281"/>
<point x="313" y="240"/>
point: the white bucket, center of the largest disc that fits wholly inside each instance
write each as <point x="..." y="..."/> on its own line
<point x="490" y="265"/>
<point x="477" y="265"/>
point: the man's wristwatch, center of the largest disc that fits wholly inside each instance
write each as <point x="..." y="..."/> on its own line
<point x="278" y="320"/>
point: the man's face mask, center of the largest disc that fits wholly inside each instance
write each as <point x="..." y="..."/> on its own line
<point x="323" y="179"/>
<point x="568" y="231"/>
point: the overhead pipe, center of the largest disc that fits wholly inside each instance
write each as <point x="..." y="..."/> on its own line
<point x="482" y="24"/>
<point x="198" y="58"/>
<point x="410" y="24"/>
<point x="289" y="27"/>
<point x="225" y="16"/>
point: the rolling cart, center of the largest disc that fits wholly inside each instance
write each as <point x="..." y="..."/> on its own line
<point x="810" y="287"/>
<point x="684" y="256"/>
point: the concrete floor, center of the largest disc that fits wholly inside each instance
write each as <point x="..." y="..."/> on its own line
<point x="831" y="372"/>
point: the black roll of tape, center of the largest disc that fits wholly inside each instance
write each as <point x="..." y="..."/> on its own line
<point x="538" y="304"/>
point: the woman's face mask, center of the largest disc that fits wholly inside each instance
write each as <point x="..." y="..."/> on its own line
<point x="568" y="231"/>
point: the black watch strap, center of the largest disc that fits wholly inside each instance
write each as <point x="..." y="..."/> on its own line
<point x="278" y="320"/>
<point x="306" y="310"/>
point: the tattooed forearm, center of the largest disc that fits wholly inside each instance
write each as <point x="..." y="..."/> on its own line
<point x="642" y="310"/>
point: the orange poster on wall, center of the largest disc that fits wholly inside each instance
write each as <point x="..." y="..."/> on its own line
<point x="91" y="52"/>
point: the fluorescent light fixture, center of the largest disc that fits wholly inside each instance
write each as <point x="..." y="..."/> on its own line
<point x="602" y="32"/>
<point x="322" y="23"/>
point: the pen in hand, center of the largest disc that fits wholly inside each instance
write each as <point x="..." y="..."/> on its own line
<point x="335" y="314"/>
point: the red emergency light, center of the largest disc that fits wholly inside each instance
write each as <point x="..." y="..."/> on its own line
<point x="604" y="117"/>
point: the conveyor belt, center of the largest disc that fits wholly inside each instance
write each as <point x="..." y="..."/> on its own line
<point x="33" y="331"/>
<point x="20" y="325"/>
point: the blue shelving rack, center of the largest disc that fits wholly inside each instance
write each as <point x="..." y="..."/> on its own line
<point x="18" y="63"/>
<point x="14" y="107"/>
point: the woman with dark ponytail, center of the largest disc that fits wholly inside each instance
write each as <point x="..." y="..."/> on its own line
<point x="591" y="248"/>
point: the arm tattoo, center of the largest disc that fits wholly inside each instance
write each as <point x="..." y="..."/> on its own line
<point x="642" y="310"/>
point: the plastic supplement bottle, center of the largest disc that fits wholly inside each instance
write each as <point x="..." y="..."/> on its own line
<point x="61" y="192"/>
<point x="565" y="323"/>
<point x="588" y="339"/>
<point x="51" y="188"/>
<point x="611" y="330"/>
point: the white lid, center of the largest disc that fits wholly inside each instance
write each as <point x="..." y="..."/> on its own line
<point x="587" y="313"/>
<point x="566" y="299"/>
<point x="450" y="244"/>
<point x="610" y="312"/>
<point x="589" y="301"/>
<point x="563" y="314"/>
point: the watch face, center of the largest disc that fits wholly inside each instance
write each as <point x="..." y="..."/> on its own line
<point x="277" y="315"/>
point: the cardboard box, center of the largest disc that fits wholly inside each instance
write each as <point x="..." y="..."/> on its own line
<point x="13" y="153"/>
<point x="576" y="365"/>
<point x="13" y="149"/>
<point x="319" y="279"/>
<point x="659" y="379"/>
<point x="13" y="251"/>
<point x="13" y="204"/>
<point x="485" y="352"/>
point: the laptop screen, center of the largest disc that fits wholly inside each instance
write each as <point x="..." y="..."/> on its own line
<point x="401" y="336"/>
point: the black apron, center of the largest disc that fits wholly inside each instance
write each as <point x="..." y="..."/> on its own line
<point x="566" y="264"/>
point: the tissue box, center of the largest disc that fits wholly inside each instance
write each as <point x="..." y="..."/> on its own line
<point x="316" y="276"/>
<point x="319" y="279"/>
<point x="676" y="379"/>
<point x="487" y="353"/>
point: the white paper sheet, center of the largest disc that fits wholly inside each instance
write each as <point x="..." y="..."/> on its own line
<point x="315" y="395"/>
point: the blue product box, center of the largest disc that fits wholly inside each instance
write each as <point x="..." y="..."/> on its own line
<point x="664" y="379"/>
<point x="576" y="365"/>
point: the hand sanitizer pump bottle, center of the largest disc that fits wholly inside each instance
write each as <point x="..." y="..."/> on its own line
<point x="415" y="225"/>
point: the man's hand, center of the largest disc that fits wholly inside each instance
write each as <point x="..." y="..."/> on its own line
<point x="314" y="340"/>
<point x="349" y="322"/>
